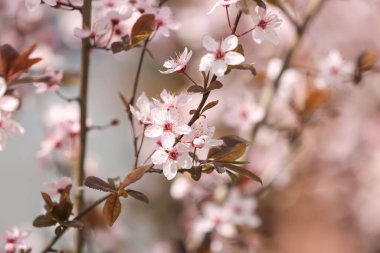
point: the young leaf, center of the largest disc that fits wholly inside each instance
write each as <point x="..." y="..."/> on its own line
<point x="112" y="209"/>
<point x="119" y="46"/>
<point x="134" y="175"/>
<point x="22" y="63"/>
<point x="233" y="177"/>
<point x="195" y="89"/>
<point x="244" y="172"/>
<point x="98" y="184"/>
<point x="191" y="112"/>
<point x="366" y="61"/>
<point x="209" y="106"/>
<point x="214" y="85"/>
<point x="232" y="149"/>
<point x="138" y="195"/>
<point x="143" y="28"/>
<point x="44" y="221"/>
<point x="48" y="201"/>
<point x="220" y="168"/>
<point x="196" y="173"/>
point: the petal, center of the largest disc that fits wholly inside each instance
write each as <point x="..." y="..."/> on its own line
<point x="3" y="87"/>
<point x="233" y="58"/>
<point x="229" y="43"/>
<point x="258" y="35"/>
<point x="32" y="5"/>
<point x="153" y="131"/>
<point x="13" y="128"/>
<point x="167" y="140"/>
<point x="170" y="169"/>
<point x="216" y="5"/>
<point x="185" y="161"/>
<point x="210" y="44"/>
<point x="159" y="157"/>
<point x="219" y="68"/>
<point x="206" y="62"/>
<point x="9" y="103"/>
<point x="272" y="36"/>
<point x="182" y="129"/>
<point x="81" y="34"/>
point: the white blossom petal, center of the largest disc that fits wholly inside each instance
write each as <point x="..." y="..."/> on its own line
<point x="210" y="44"/>
<point x="167" y="140"/>
<point x="170" y="169"/>
<point x="229" y="43"/>
<point x="159" y="157"/>
<point x="153" y="131"/>
<point x="219" y="68"/>
<point x="233" y="58"/>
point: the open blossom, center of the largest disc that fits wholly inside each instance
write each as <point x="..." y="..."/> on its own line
<point x="166" y="126"/>
<point x="143" y="109"/>
<point x="221" y="56"/>
<point x="8" y="128"/>
<point x="170" y="101"/>
<point x="13" y="240"/>
<point x="224" y="3"/>
<point x="265" y="25"/>
<point x="333" y="69"/>
<point x="165" y="21"/>
<point x="57" y="187"/>
<point x="8" y="103"/>
<point x="171" y="159"/>
<point x="177" y="65"/>
<point x="243" y="112"/>
<point x="97" y="34"/>
<point x="201" y="136"/>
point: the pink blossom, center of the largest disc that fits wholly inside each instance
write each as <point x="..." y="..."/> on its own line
<point x="243" y="112"/>
<point x="55" y="76"/>
<point x="170" y="101"/>
<point x="333" y="70"/>
<point x="166" y="125"/>
<point x="171" y="158"/>
<point x="265" y="25"/>
<point x="8" y="128"/>
<point x="142" y="112"/>
<point x="8" y="103"/>
<point x="201" y="136"/>
<point x="223" y="3"/>
<point x="177" y="65"/>
<point x="221" y="56"/>
<point x="97" y="34"/>
<point x="56" y="187"/>
<point x="14" y="240"/>
<point x="165" y="21"/>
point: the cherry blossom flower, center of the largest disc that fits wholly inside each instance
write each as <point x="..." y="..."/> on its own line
<point x="56" y="77"/>
<point x="8" y="103"/>
<point x="165" y="22"/>
<point x="221" y="56"/>
<point x="333" y="70"/>
<point x="170" y="101"/>
<point x="177" y="65"/>
<point x="97" y="34"/>
<point x="8" y="128"/>
<point x="14" y="240"/>
<point x="56" y="187"/>
<point x="265" y="25"/>
<point x="171" y="158"/>
<point x="224" y="3"/>
<point x="143" y="111"/>
<point x="166" y="125"/>
<point x="201" y="136"/>
<point x="243" y="112"/>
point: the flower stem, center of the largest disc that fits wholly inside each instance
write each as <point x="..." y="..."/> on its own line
<point x="85" y="66"/>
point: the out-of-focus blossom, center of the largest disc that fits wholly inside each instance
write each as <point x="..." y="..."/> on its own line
<point x="64" y="128"/>
<point x="143" y="111"/>
<point x="13" y="240"/>
<point x="166" y="125"/>
<point x="55" y="76"/>
<point x="57" y="187"/>
<point x="242" y="112"/>
<point x="8" y="128"/>
<point x="221" y="56"/>
<point x="177" y="65"/>
<point x="333" y="70"/>
<point x="170" y="101"/>
<point x="165" y="21"/>
<point x="224" y="3"/>
<point x="8" y="103"/>
<point x="97" y="34"/>
<point x="171" y="158"/>
<point x="201" y="136"/>
<point x="265" y="25"/>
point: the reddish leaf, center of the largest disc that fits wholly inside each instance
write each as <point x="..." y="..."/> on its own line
<point x="143" y="28"/>
<point x="48" y="201"/>
<point x="44" y="221"/>
<point x="7" y="57"/>
<point x="134" y="175"/>
<point x="195" y="89"/>
<point x="138" y="195"/>
<point x="210" y="105"/>
<point x="22" y="63"/>
<point x="112" y="209"/>
<point x="98" y="184"/>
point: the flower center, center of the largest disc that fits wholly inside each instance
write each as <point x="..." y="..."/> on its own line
<point x="173" y="155"/>
<point x="219" y="54"/>
<point x="263" y="24"/>
<point x="168" y="127"/>
<point x="159" y="22"/>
